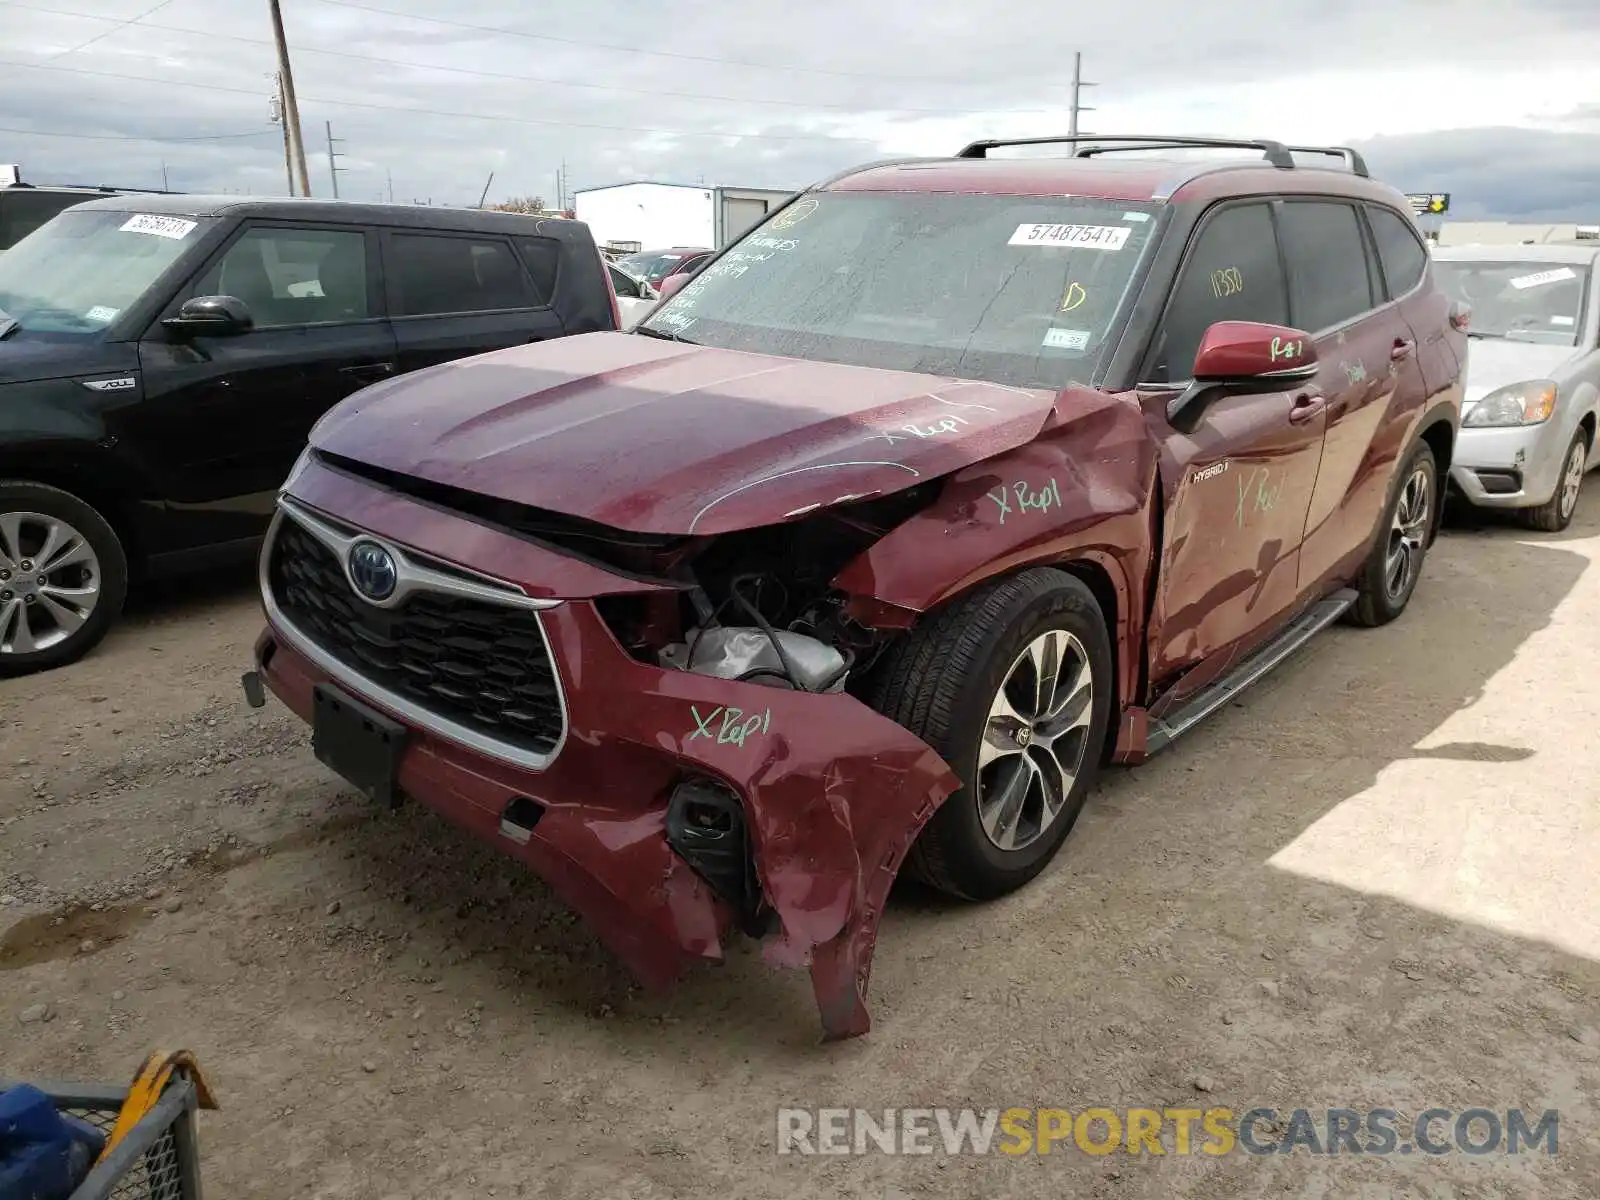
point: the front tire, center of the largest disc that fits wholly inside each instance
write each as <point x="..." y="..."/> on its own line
<point x="63" y="577"/>
<point x="1395" y="562"/>
<point x="1555" y="514"/>
<point x="1013" y="686"/>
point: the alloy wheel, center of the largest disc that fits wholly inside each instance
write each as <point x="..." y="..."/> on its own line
<point x="1408" y="532"/>
<point x="49" y="582"/>
<point x="1572" y="478"/>
<point x="1034" y="740"/>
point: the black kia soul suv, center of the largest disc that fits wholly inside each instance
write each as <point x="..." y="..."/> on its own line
<point x="162" y="359"/>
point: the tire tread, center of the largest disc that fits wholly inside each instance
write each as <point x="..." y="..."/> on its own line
<point x="921" y="684"/>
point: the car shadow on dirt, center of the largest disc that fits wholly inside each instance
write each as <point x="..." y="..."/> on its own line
<point x="1178" y="845"/>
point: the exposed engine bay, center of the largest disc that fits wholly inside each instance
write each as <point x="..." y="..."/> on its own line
<point x="754" y="605"/>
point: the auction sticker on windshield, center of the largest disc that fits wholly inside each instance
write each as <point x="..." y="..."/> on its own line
<point x="1067" y="339"/>
<point x="168" y="227"/>
<point x="1082" y="237"/>
<point x="1543" y="277"/>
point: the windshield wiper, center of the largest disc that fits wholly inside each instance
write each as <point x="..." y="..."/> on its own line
<point x="8" y="324"/>
<point x="664" y="335"/>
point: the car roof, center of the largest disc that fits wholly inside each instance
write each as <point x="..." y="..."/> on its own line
<point x="1137" y="180"/>
<point x="299" y="208"/>
<point x="1556" y="252"/>
<point x="55" y="189"/>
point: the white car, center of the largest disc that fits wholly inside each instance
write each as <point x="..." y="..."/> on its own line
<point x="1533" y="375"/>
<point x="635" y="297"/>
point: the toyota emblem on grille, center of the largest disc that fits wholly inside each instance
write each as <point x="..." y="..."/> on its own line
<point x="373" y="571"/>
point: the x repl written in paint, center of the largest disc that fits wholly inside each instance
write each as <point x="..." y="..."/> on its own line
<point x="1026" y="498"/>
<point x="943" y="425"/>
<point x="1257" y="494"/>
<point x="735" y="727"/>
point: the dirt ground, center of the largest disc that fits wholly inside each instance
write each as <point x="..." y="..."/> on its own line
<point x="1369" y="883"/>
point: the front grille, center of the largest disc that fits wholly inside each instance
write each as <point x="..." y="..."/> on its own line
<point x="481" y="665"/>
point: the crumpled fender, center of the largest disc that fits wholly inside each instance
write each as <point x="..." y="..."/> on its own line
<point x="1083" y="491"/>
<point x="834" y="794"/>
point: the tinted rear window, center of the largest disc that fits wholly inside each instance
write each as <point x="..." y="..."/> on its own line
<point x="431" y="274"/>
<point x="1399" y="250"/>
<point x="1328" y="279"/>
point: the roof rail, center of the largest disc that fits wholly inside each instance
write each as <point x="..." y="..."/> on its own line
<point x="1276" y="153"/>
<point x="1351" y="156"/>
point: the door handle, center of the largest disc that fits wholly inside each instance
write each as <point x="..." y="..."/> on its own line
<point x="1306" y="406"/>
<point x="1402" y="349"/>
<point x="368" y="371"/>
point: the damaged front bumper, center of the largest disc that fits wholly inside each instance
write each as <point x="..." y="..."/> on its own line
<point x="669" y="806"/>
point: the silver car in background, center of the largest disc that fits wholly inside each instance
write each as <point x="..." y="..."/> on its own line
<point x="635" y="296"/>
<point x="1533" y="375"/>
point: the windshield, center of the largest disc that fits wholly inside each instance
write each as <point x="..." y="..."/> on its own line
<point x="1012" y="289"/>
<point x="76" y="273"/>
<point x="1520" y="301"/>
<point x="653" y="267"/>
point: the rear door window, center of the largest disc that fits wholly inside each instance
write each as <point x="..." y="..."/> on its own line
<point x="1233" y="273"/>
<point x="1329" y="280"/>
<point x="436" y="274"/>
<point x="1399" y="249"/>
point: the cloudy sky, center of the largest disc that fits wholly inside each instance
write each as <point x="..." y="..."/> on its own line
<point x="1495" y="101"/>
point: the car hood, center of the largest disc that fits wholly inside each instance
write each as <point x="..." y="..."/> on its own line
<point x="29" y="358"/>
<point x="1495" y="362"/>
<point x="665" y="437"/>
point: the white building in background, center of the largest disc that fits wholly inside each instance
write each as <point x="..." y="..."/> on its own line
<point x="1509" y="233"/>
<point x="661" y="215"/>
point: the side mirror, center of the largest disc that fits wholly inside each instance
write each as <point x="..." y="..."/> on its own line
<point x="215" y="316"/>
<point x="1248" y="356"/>
<point x="646" y="292"/>
<point x="672" y="285"/>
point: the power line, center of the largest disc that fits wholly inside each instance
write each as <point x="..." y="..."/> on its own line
<point x="434" y="112"/>
<point x="104" y="33"/>
<point x="133" y="137"/>
<point x="535" y="79"/>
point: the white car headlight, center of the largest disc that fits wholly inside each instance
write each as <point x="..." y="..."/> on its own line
<point x="1515" y="404"/>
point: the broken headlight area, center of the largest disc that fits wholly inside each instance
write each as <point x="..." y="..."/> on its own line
<point x="758" y="605"/>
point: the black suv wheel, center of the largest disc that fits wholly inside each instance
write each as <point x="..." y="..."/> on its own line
<point x="63" y="577"/>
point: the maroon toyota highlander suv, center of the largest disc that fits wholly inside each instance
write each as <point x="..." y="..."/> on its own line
<point x="950" y="482"/>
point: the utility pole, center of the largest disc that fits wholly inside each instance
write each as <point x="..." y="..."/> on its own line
<point x="389" y="173"/>
<point x="278" y="118"/>
<point x="483" y="199"/>
<point x="291" y="108"/>
<point x="1078" y="84"/>
<point x="165" y="187"/>
<point x="333" y="169"/>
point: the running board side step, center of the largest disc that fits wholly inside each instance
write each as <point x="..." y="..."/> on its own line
<point x="1214" y="695"/>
